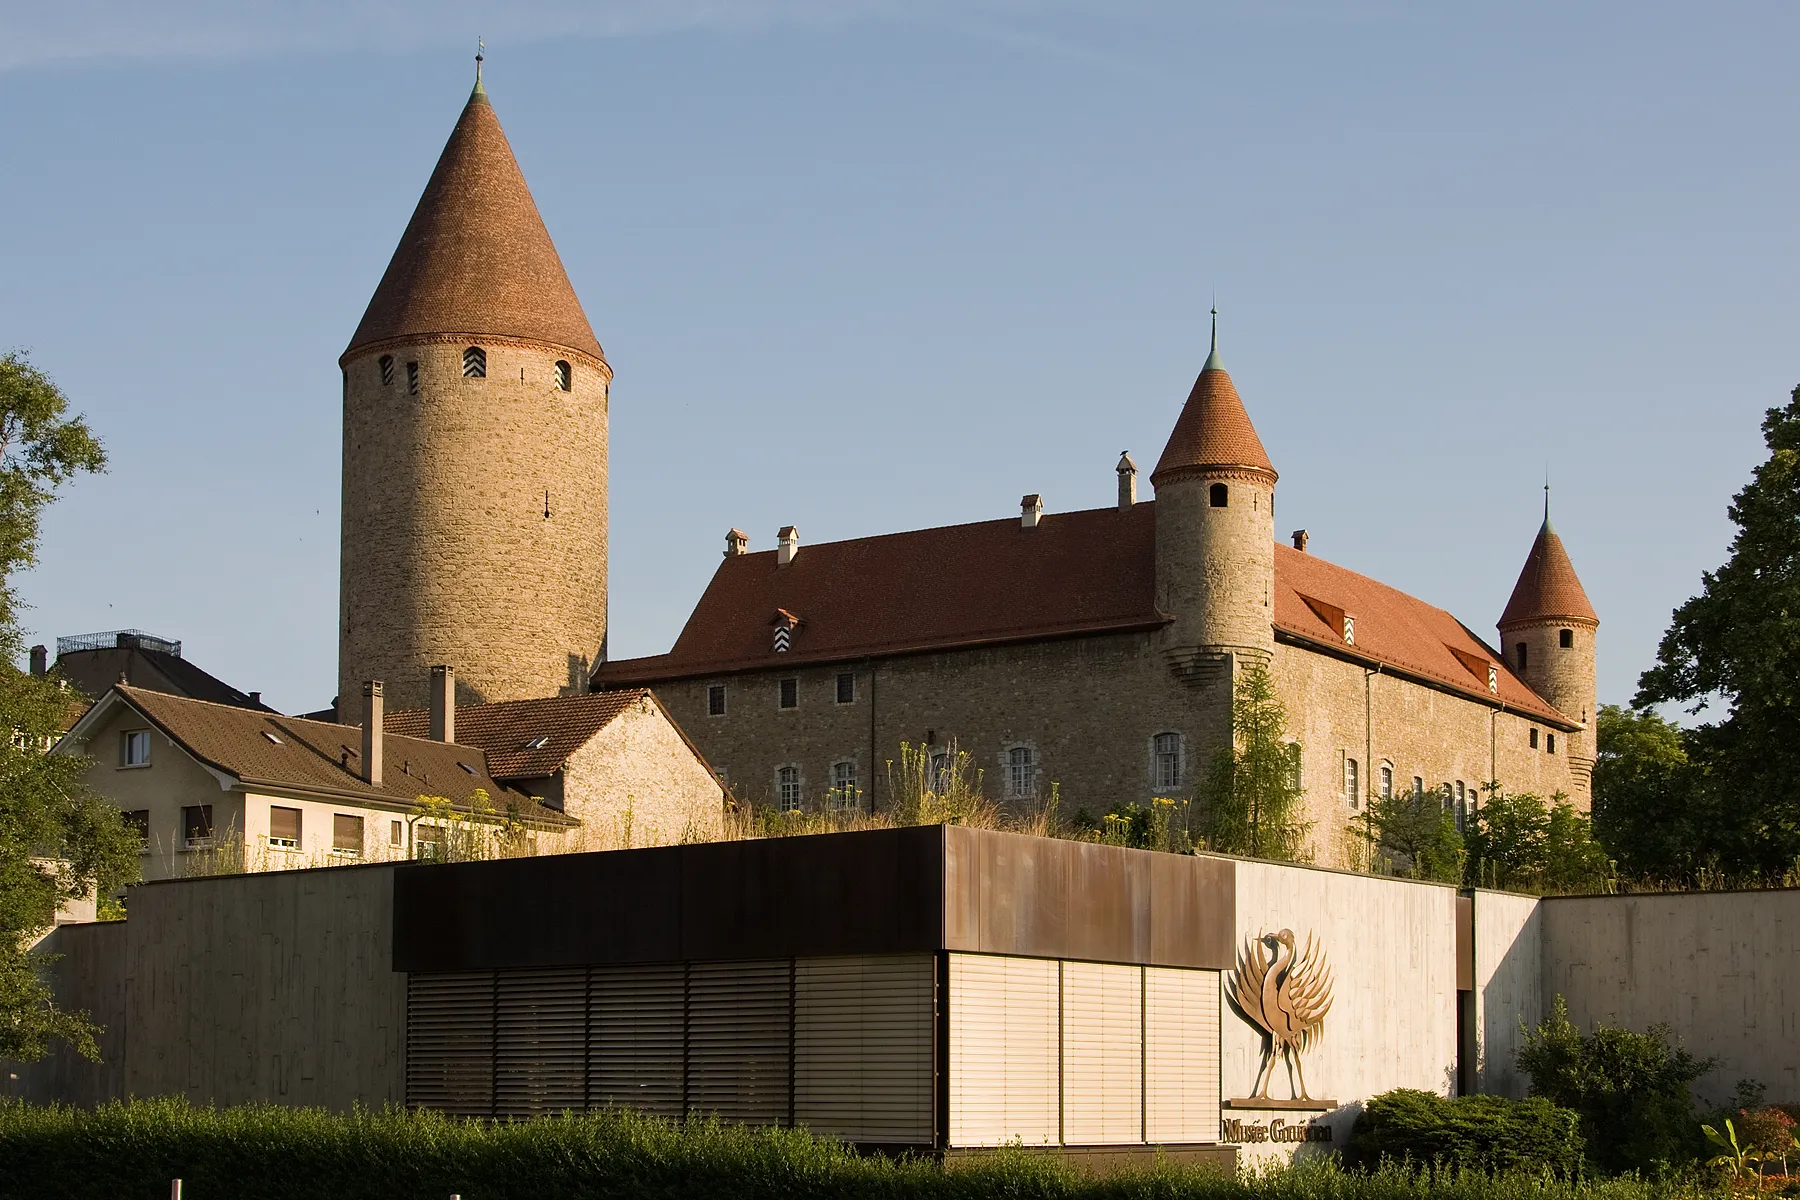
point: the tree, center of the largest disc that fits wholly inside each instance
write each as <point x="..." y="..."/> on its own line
<point x="1737" y="646"/>
<point x="1251" y="801"/>
<point x="57" y="841"/>
<point x="1418" y="835"/>
<point x="1653" y="806"/>
<point x="1516" y="841"/>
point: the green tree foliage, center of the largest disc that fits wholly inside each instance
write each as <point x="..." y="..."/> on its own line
<point x="1416" y="834"/>
<point x="1737" y="645"/>
<point x="1631" y="1090"/>
<point x="1652" y="802"/>
<point x="1517" y="842"/>
<point x="1251" y="801"/>
<point x="57" y="842"/>
<point x="1480" y="1133"/>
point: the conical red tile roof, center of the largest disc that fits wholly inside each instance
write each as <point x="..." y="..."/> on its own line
<point x="1548" y="588"/>
<point x="1213" y="430"/>
<point x="475" y="258"/>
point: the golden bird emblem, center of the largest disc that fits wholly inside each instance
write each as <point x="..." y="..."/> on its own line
<point x="1287" y="997"/>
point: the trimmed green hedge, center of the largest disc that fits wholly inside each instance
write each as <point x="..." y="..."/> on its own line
<point x="131" y="1151"/>
<point x="1479" y="1133"/>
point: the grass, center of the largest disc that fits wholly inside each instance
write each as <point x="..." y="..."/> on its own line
<point x="265" y="1152"/>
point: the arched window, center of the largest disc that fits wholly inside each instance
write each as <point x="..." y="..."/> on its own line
<point x="1566" y="639"/>
<point x="1351" y="786"/>
<point x="474" y="363"/>
<point x="787" y="788"/>
<point x="565" y="378"/>
<point x="412" y="379"/>
<point x="1165" y="760"/>
<point x="386" y="363"/>
<point x="843" y="786"/>
<point x="940" y="772"/>
<point x="1021" y="772"/>
<point x="1219" y="494"/>
<point x="1387" y="780"/>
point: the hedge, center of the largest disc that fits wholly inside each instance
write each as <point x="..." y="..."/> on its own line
<point x="126" y="1151"/>
<point x="1480" y="1133"/>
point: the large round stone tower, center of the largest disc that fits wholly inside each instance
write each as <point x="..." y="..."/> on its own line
<point x="1215" y="533"/>
<point x="1547" y="634"/>
<point x="475" y="410"/>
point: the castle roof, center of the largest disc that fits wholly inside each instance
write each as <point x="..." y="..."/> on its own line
<point x="1548" y="589"/>
<point x="476" y="259"/>
<point x="1214" y="430"/>
<point x="1080" y="573"/>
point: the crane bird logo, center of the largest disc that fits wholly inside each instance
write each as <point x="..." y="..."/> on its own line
<point x="1286" y="997"/>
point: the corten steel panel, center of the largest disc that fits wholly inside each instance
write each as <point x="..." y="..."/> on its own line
<point x="1465" y="943"/>
<point x="1193" y="905"/>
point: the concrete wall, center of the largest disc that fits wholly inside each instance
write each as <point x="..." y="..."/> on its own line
<point x="1720" y="968"/>
<point x="637" y="783"/>
<point x="1509" y="986"/>
<point x="274" y="987"/>
<point x="1391" y="945"/>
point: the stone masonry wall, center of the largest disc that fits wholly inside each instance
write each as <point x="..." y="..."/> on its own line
<point x="637" y="783"/>
<point x="447" y="554"/>
<point x="1564" y="677"/>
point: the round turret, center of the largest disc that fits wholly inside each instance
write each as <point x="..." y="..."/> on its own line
<point x="1547" y="634"/>
<point x="1215" y="531"/>
<point x="475" y="450"/>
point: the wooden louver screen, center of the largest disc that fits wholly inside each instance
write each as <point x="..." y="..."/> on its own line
<point x="635" y="1044"/>
<point x="863" y="1042"/>
<point x="1103" y="1054"/>
<point x="450" y="1042"/>
<point x="1004" y="1063"/>
<point x="540" y="1041"/>
<point x="740" y="1049"/>
<point x="1181" y="1055"/>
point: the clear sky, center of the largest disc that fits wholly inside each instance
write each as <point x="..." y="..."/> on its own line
<point x="868" y="266"/>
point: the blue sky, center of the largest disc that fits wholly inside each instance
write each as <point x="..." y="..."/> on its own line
<point x="862" y="267"/>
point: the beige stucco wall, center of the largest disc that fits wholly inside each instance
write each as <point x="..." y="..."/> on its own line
<point x="1391" y="945"/>
<point x="1089" y="707"/>
<point x="447" y="554"/>
<point x="1720" y="968"/>
<point x="638" y="783"/>
<point x="1509" y="986"/>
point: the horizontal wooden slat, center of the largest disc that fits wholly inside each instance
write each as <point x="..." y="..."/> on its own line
<point x="739" y="1040"/>
<point x="636" y="1032"/>
<point x="1004" y="1069"/>
<point x="863" y="1029"/>
<point x="540" y="1041"/>
<point x="1181" y="1083"/>
<point x="450" y="1042"/>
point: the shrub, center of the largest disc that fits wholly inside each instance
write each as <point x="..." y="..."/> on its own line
<point x="1483" y="1133"/>
<point x="1631" y="1090"/>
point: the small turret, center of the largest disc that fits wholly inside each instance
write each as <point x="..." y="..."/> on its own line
<point x="1547" y="634"/>
<point x="1215" y="531"/>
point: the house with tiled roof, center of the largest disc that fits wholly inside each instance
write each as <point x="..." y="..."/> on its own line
<point x="1095" y="652"/>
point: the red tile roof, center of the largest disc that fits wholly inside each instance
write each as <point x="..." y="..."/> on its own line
<point x="475" y="258"/>
<point x="289" y="753"/>
<point x="1213" y="430"/>
<point x="505" y="731"/>
<point x="993" y="582"/>
<point x="1548" y="589"/>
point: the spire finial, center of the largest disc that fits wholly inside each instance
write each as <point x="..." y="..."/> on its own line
<point x="1547" y="498"/>
<point x="480" y="46"/>
<point x="1212" y="359"/>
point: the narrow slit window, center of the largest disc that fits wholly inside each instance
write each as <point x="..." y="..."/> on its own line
<point x="1519" y="653"/>
<point x="474" y="363"/>
<point x="1219" y="495"/>
<point x="846" y="687"/>
<point x="1351" y="786"/>
<point x="1549" y="743"/>
<point x="412" y="378"/>
<point x="387" y="370"/>
<point x="1534" y="739"/>
<point x="1566" y="639"/>
<point x="790" y="693"/>
<point x="715" y="700"/>
<point x="565" y="378"/>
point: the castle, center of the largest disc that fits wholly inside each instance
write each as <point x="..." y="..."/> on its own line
<point x="1094" y="651"/>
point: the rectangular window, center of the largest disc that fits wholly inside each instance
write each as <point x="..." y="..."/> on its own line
<point x="787" y="788"/>
<point x="846" y="687"/>
<point x="346" y="834"/>
<point x="134" y="748"/>
<point x="715" y="700"/>
<point x="138" y="821"/>
<point x="1418" y="787"/>
<point x="843" y="785"/>
<point x="1533" y="737"/>
<point x="1387" y="782"/>
<point x="1519" y="652"/>
<point x="790" y="693"/>
<point x="1021" y="772"/>
<point x="1166" y="771"/>
<point x="396" y="833"/>
<point x="196" y="825"/>
<point x="1352" y="789"/>
<point x="428" y="842"/>
<point x="284" y="828"/>
<point x="1549" y="743"/>
<point x="1566" y="639"/>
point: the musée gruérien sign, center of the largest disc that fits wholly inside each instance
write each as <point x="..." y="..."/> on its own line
<point x="1240" y="1132"/>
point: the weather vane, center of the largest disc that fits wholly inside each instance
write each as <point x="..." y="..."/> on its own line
<point x="479" y="47"/>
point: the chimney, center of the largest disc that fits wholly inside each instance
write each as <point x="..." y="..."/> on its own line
<point x="787" y="544"/>
<point x="1300" y="540"/>
<point x="255" y="699"/>
<point x="40" y="661"/>
<point x="1030" y="509"/>
<point x="1127" y="481"/>
<point x="736" y="542"/>
<point x="443" y="704"/>
<point x="372" y="734"/>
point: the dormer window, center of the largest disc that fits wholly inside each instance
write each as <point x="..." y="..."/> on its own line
<point x="474" y="363"/>
<point x="387" y="370"/>
<point x="565" y="378"/>
<point x="1219" y="495"/>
